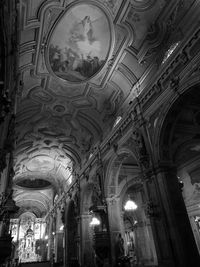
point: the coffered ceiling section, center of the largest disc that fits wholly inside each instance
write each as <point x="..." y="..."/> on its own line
<point x="79" y="61"/>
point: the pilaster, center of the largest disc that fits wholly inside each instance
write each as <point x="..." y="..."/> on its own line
<point x="115" y="223"/>
<point x="86" y="241"/>
<point x="50" y="238"/>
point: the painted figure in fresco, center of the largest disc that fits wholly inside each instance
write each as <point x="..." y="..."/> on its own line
<point x="81" y="56"/>
<point x="89" y="47"/>
<point x="85" y="61"/>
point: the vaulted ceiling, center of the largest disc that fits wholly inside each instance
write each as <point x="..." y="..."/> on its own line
<point x="80" y="64"/>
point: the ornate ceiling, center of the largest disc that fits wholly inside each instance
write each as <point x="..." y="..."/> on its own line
<point x="79" y="64"/>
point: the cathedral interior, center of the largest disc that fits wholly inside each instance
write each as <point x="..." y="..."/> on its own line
<point x="100" y="133"/>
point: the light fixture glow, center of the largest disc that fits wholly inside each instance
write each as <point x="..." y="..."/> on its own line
<point x="94" y="222"/>
<point x="61" y="227"/>
<point x="130" y="205"/>
<point x="46" y="237"/>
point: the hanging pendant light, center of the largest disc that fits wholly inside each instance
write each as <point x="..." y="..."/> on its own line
<point x="130" y="205"/>
<point x="95" y="221"/>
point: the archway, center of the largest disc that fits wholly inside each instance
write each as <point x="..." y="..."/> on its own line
<point x="130" y="227"/>
<point x="179" y="152"/>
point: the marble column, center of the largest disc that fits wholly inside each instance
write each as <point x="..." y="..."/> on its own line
<point x="181" y="239"/>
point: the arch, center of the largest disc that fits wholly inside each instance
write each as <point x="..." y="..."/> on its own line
<point x="27" y="214"/>
<point x="186" y="88"/>
<point x="124" y="181"/>
<point x="177" y="152"/>
<point x="113" y="169"/>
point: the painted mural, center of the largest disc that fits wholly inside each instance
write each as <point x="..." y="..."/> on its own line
<point x="80" y="43"/>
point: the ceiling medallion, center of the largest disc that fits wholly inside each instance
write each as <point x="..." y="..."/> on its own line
<point x="59" y="108"/>
<point x="79" y="43"/>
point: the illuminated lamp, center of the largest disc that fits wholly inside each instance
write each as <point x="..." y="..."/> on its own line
<point x="61" y="227"/>
<point x="95" y="221"/>
<point x="130" y="205"/>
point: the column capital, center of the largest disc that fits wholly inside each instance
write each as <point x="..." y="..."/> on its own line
<point x="112" y="200"/>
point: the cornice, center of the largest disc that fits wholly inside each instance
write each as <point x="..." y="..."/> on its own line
<point x="158" y="87"/>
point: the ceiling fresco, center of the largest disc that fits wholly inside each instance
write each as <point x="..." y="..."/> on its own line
<point x="79" y="43"/>
<point x="79" y="66"/>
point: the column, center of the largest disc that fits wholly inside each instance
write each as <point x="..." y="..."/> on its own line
<point x="4" y="176"/>
<point x="56" y="237"/>
<point x="3" y="190"/>
<point x="50" y="238"/>
<point x="115" y="223"/>
<point x="181" y="238"/>
<point x="157" y="218"/>
<point x="78" y="239"/>
<point x="86" y="241"/>
<point x="59" y="246"/>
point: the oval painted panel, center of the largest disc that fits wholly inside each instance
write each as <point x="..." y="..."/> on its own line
<point x="80" y="43"/>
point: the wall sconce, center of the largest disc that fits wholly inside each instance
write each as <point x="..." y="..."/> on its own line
<point x="130" y="205"/>
<point x="95" y="221"/>
<point x="46" y="237"/>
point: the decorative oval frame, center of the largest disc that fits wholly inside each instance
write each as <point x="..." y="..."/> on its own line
<point x="90" y="64"/>
<point x="44" y="184"/>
